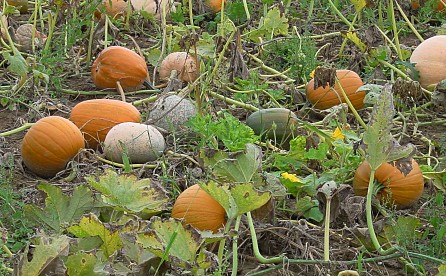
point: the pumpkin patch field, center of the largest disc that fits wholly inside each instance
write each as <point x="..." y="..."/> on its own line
<point x="222" y="137"/>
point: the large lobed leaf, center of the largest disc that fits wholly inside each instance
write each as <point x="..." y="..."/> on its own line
<point x="126" y="192"/>
<point x="381" y="147"/>
<point x="236" y="199"/>
<point x="60" y="210"/>
<point x="178" y="244"/>
<point x="237" y="167"/>
<point x="44" y="257"/>
<point x="91" y="226"/>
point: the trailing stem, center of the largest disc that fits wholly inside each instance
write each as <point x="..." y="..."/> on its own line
<point x="327" y="230"/>
<point x="255" y="245"/>
<point x="350" y="105"/>
<point x="368" y="210"/>
<point x="235" y="247"/>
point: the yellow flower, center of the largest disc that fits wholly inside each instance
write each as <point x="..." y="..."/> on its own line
<point x="337" y="134"/>
<point x="291" y="177"/>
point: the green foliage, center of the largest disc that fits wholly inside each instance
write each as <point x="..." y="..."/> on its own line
<point x="90" y="226"/>
<point x="46" y="250"/>
<point x="60" y="210"/>
<point x="236" y="199"/>
<point x="127" y="193"/>
<point x="271" y="25"/>
<point x="13" y="222"/>
<point x="238" y="167"/>
<point x="297" y="54"/>
<point x="183" y="246"/>
<point x="226" y="128"/>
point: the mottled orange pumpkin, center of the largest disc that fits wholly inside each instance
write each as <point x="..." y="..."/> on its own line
<point x="96" y="117"/>
<point x="401" y="190"/>
<point x="50" y="144"/>
<point x="199" y="209"/>
<point x="326" y="97"/>
<point x="116" y="63"/>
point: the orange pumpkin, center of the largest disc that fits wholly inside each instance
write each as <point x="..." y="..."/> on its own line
<point x="430" y="60"/>
<point x="214" y="5"/>
<point x="116" y="63"/>
<point x="199" y="209"/>
<point x="21" y="5"/>
<point x="415" y="4"/>
<point x="403" y="191"/>
<point x="96" y="117"/>
<point x="326" y="97"/>
<point x="184" y="63"/>
<point x="113" y="8"/>
<point x="50" y="144"/>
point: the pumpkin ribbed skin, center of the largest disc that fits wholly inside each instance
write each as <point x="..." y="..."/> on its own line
<point x="284" y="122"/>
<point x="96" y="117"/>
<point x="403" y="191"/>
<point x="199" y="209"/>
<point x="50" y="144"/>
<point x="430" y="60"/>
<point x="323" y="98"/>
<point x="117" y="63"/>
<point x="184" y="63"/>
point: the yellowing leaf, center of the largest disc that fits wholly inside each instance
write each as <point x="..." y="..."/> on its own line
<point x="90" y="226"/>
<point x="81" y="263"/>
<point x="355" y="39"/>
<point x="126" y="192"/>
<point x="337" y="134"/>
<point x="359" y="4"/>
<point x="46" y="251"/>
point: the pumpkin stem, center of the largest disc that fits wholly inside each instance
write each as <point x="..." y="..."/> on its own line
<point x="327" y="230"/>
<point x="150" y="86"/>
<point x="368" y="210"/>
<point x="255" y="245"/>
<point x="235" y="247"/>
<point x="350" y="105"/>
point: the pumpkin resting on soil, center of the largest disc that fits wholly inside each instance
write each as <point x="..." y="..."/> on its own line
<point x="401" y="190"/>
<point x="199" y="209"/>
<point x="184" y="63"/>
<point x="116" y="63"/>
<point x="326" y="97"/>
<point x="50" y="144"/>
<point x="96" y="117"/>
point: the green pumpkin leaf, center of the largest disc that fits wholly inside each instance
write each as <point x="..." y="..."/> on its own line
<point x="45" y="255"/>
<point x="17" y="63"/>
<point x="90" y="226"/>
<point x="81" y="263"/>
<point x="403" y="231"/>
<point x="60" y="210"/>
<point x="379" y="143"/>
<point x="127" y="193"/>
<point x="180" y="245"/>
<point x="237" y="199"/>
<point x="274" y="23"/>
<point x="236" y="167"/>
<point x="441" y="270"/>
